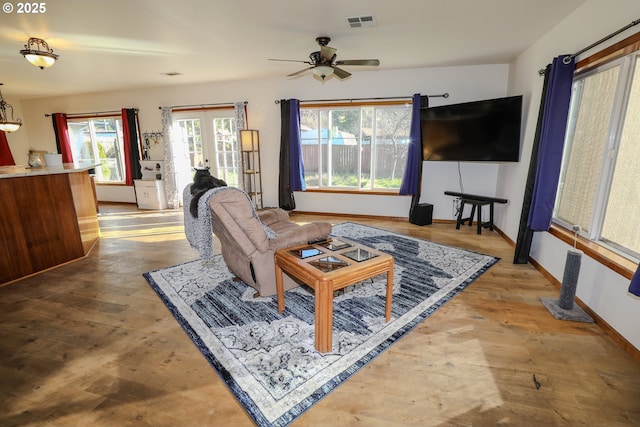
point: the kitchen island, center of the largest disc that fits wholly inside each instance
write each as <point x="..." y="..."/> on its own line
<point x="48" y="217"/>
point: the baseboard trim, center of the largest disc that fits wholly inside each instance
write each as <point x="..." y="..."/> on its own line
<point x="606" y="328"/>
<point x="362" y="216"/>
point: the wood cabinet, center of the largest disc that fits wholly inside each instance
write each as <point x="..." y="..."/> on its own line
<point x="45" y="220"/>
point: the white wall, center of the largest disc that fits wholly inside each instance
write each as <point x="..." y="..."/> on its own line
<point x="604" y="291"/>
<point x="466" y="83"/>
<point x="471" y="178"/>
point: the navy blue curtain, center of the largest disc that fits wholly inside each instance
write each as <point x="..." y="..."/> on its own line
<point x="291" y="166"/>
<point x="413" y="169"/>
<point x="296" y="172"/>
<point x="412" y="178"/>
<point x="554" y="126"/>
<point x="634" y="287"/>
<point x="546" y="156"/>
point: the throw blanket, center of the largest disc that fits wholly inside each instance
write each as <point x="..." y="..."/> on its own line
<point x="199" y="231"/>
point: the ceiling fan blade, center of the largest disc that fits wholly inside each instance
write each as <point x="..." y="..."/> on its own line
<point x="327" y="54"/>
<point x="289" y="60"/>
<point x="299" y="72"/>
<point x="372" y="62"/>
<point x="340" y="73"/>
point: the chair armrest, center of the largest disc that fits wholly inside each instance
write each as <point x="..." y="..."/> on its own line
<point x="271" y="216"/>
<point x="300" y="235"/>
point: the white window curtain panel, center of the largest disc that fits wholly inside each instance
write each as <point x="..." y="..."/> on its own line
<point x="241" y="116"/>
<point x="241" y="124"/>
<point x="170" y="164"/>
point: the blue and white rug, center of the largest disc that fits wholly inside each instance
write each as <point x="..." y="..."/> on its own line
<point x="269" y="361"/>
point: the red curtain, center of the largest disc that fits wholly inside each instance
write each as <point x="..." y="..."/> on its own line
<point x="131" y="138"/>
<point x="62" y="136"/>
<point x="6" y="158"/>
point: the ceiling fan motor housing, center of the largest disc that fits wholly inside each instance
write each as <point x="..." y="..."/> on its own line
<point x="323" y="40"/>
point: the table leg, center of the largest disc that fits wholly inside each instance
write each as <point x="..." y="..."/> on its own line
<point x="279" y="288"/>
<point x="491" y="216"/>
<point x="387" y="311"/>
<point x="473" y="211"/>
<point x="459" y="220"/>
<point x="324" y="316"/>
<point x="479" y="219"/>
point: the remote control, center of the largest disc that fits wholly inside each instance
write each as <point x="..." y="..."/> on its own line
<point x="316" y="241"/>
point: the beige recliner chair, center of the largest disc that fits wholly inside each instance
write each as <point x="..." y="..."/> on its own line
<point x="249" y="238"/>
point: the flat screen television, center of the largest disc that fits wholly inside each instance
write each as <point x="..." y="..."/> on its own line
<point x="483" y="131"/>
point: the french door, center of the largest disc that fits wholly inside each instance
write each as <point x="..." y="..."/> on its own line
<point x="209" y="137"/>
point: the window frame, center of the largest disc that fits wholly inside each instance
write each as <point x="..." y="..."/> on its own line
<point x="90" y="119"/>
<point x="210" y="154"/>
<point x="622" y="260"/>
<point x="349" y="104"/>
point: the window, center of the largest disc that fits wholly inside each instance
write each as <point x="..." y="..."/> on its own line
<point x="191" y="135"/>
<point x="210" y="138"/>
<point x="600" y="178"/>
<point x="99" y="140"/>
<point x="355" y="147"/>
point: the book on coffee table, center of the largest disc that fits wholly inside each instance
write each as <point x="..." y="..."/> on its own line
<point x="328" y="264"/>
<point x="306" y="252"/>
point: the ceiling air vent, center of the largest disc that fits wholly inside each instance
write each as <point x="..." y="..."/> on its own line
<point x="361" y="21"/>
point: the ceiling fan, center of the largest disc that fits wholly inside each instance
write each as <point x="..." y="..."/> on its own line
<point x="324" y="64"/>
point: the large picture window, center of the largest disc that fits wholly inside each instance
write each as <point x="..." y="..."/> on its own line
<point x="361" y="147"/>
<point x="99" y="140"/>
<point x="600" y="176"/>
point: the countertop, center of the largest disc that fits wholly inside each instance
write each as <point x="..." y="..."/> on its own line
<point x="23" y="170"/>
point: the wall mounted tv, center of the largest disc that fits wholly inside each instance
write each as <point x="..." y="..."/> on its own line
<point x="483" y="131"/>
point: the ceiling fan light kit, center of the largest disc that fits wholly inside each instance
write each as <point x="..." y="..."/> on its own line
<point x="323" y="71"/>
<point x="323" y="62"/>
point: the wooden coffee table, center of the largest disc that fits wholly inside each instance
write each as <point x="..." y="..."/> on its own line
<point x="327" y="267"/>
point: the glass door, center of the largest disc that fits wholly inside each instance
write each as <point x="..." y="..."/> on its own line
<point x="210" y="139"/>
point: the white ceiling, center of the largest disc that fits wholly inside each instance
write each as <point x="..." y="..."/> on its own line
<point x="118" y="44"/>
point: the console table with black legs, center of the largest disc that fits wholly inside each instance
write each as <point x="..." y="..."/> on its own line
<point x="476" y="202"/>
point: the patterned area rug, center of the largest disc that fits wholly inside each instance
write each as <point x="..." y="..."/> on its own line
<point x="268" y="360"/>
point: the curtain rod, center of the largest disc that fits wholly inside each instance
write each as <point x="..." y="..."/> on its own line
<point x="205" y="105"/>
<point x="568" y="58"/>
<point x="444" y="95"/>
<point x="95" y="113"/>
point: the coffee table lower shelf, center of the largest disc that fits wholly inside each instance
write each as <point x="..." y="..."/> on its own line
<point x="325" y="283"/>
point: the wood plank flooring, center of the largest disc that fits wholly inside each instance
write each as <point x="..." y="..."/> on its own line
<point x="90" y="344"/>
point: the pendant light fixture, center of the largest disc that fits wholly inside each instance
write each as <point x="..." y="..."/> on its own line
<point x="37" y="52"/>
<point x="7" y="125"/>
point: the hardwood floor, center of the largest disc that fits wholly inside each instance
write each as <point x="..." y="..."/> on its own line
<point x="90" y="344"/>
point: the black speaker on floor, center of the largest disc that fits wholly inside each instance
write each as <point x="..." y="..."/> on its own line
<point x="422" y="214"/>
